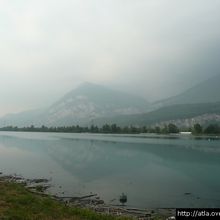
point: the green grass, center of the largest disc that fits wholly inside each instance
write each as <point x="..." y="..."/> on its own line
<point x="17" y="203"/>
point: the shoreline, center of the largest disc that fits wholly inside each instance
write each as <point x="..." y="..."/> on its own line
<point x="90" y="202"/>
<point x="134" y="134"/>
<point x="133" y="137"/>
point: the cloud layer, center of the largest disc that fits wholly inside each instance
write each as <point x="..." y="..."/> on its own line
<point x="154" y="48"/>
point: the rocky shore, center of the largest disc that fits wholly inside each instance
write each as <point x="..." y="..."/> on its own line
<point x="91" y="202"/>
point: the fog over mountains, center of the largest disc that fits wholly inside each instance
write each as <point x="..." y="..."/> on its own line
<point x="205" y="92"/>
<point x="81" y="106"/>
<point x="95" y="104"/>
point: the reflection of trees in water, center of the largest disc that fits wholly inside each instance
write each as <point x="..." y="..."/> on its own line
<point x="92" y="159"/>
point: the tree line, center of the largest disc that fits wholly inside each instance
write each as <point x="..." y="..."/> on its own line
<point x="115" y="129"/>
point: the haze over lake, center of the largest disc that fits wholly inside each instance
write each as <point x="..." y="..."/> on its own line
<point x="153" y="172"/>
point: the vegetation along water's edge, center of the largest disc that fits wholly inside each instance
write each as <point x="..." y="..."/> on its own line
<point x="166" y="128"/>
<point x="24" y="199"/>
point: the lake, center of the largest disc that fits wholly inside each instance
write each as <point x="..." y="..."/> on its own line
<point x="165" y="172"/>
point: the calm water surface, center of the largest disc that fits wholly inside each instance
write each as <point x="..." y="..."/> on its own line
<point x="153" y="172"/>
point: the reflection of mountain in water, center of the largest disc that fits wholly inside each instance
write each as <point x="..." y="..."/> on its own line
<point x="140" y="168"/>
<point x="90" y="159"/>
<point x="94" y="159"/>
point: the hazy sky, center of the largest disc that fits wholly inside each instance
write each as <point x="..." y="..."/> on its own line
<point x="154" y="48"/>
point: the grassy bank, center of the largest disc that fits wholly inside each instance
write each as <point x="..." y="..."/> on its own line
<point x="17" y="203"/>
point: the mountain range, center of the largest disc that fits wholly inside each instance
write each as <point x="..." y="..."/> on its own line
<point x="188" y="114"/>
<point x="205" y="92"/>
<point x="80" y="106"/>
<point x="95" y="104"/>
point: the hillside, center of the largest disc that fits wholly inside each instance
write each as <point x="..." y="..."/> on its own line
<point x="205" y="92"/>
<point x="80" y="106"/>
<point x="25" y="118"/>
<point x="163" y="114"/>
<point x="90" y="101"/>
<point x="95" y="104"/>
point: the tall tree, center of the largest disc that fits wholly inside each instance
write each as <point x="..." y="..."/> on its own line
<point x="197" y="128"/>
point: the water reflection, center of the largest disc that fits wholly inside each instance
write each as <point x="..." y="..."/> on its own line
<point x="152" y="172"/>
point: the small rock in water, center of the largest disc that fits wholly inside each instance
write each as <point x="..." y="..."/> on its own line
<point x="123" y="199"/>
<point x="39" y="180"/>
